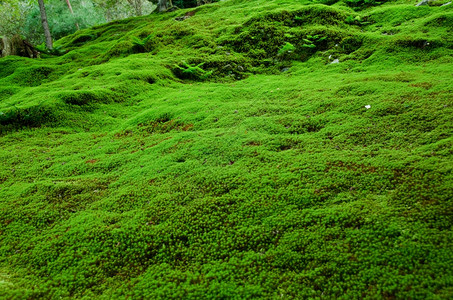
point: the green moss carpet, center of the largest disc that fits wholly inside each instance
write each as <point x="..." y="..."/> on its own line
<point x="247" y="149"/>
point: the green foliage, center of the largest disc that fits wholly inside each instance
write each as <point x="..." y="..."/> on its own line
<point x="313" y="41"/>
<point x="351" y="20"/>
<point x="12" y="16"/>
<point x="143" y="45"/>
<point x="192" y="72"/>
<point x="356" y="20"/>
<point x="60" y="19"/>
<point x="57" y="51"/>
<point x="286" y="50"/>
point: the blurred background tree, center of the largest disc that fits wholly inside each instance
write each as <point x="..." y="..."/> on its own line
<point x="23" y="16"/>
<point x="12" y="16"/>
<point x="64" y="17"/>
<point x="61" y="20"/>
<point x="45" y="24"/>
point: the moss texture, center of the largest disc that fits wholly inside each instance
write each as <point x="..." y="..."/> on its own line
<point x="207" y="158"/>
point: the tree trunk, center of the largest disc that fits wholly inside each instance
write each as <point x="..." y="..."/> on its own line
<point x="162" y="5"/>
<point x="17" y="46"/>
<point x="72" y="12"/>
<point x="45" y="25"/>
<point x="5" y="46"/>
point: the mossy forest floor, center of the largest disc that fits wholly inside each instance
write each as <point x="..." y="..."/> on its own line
<point x="223" y="155"/>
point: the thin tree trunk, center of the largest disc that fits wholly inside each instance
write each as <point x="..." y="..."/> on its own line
<point x="162" y="5"/>
<point x="45" y="25"/>
<point x="72" y="12"/>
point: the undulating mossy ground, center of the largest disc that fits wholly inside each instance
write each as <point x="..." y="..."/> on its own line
<point x="226" y="154"/>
